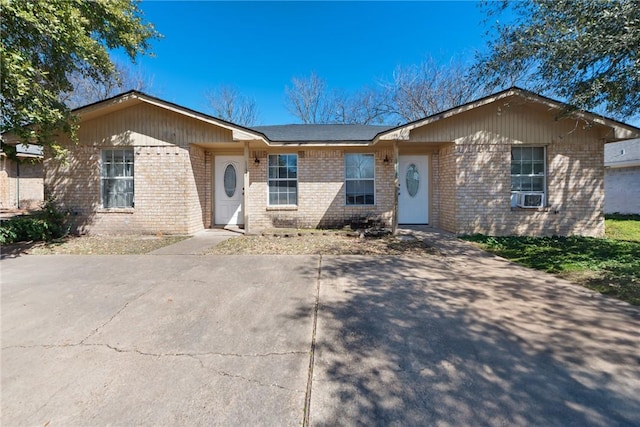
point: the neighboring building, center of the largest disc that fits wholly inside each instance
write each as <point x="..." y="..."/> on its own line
<point x="21" y="180"/>
<point x="510" y="163"/>
<point x="622" y="177"/>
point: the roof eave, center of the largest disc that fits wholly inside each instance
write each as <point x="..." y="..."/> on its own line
<point x="621" y="131"/>
<point x="239" y="133"/>
<point x="320" y="143"/>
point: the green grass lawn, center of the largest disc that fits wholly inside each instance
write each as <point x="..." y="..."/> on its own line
<point x="623" y="227"/>
<point x="610" y="266"/>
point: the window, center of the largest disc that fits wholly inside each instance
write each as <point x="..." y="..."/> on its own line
<point x="283" y="179"/>
<point x="359" y="172"/>
<point x="117" y="178"/>
<point x="528" y="176"/>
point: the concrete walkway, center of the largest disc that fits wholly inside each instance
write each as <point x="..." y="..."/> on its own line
<point x="447" y="243"/>
<point x="198" y="243"/>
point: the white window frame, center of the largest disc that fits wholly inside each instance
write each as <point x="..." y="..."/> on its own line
<point x="278" y="178"/>
<point x="347" y="179"/>
<point x="518" y="194"/>
<point x="107" y="174"/>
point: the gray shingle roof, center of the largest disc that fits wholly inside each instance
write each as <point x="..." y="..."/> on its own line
<point x="320" y="133"/>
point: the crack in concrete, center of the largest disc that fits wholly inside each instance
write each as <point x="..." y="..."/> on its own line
<point x="95" y="331"/>
<point x="253" y="381"/>
<point x="195" y="356"/>
<point x="146" y="353"/>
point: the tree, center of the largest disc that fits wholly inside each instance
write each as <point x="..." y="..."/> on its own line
<point x="87" y="91"/>
<point x="584" y="51"/>
<point x="366" y="106"/>
<point x="412" y="93"/>
<point x="230" y="105"/>
<point x="309" y="100"/>
<point x="418" y="91"/>
<point x="46" y="42"/>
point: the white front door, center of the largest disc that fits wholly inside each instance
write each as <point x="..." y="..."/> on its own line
<point x="413" y="196"/>
<point x="229" y="181"/>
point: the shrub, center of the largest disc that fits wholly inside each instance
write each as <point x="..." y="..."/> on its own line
<point x="45" y="225"/>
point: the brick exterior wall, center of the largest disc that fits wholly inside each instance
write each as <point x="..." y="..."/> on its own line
<point x="575" y="192"/>
<point x="622" y="190"/>
<point x="208" y="190"/>
<point x="446" y="184"/>
<point x="167" y="199"/>
<point x="321" y="192"/>
<point x="434" y="189"/>
<point x="25" y="191"/>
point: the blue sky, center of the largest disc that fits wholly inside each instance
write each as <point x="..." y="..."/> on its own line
<point x="259" y="46"/>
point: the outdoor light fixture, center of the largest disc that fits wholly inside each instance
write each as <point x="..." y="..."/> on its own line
<point x="256" y="160"/>
<point x="386" y="158"/>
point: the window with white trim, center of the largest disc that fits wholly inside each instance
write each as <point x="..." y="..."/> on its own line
<point x="528" y="176"/>
<point x="359" y="172"/>
<point x="283" y="179"/>
<point x="117" y="178"/>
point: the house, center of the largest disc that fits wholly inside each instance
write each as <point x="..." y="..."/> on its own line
<point x="510" y="163"/>
<point x="622" y="177"/>
<point x="21" y="178"/>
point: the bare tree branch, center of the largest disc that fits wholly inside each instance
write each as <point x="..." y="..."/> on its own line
<point x="421" y="90"/>
<point x="309" y="100"/>
<point x="229" y="104"/>
<point x="88" y="90"/>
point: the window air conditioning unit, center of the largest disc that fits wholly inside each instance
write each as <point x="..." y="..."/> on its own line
<point x="530" y="200"/>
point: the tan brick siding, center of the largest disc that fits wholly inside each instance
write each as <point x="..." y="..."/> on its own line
<point x="166" y="198"/>
<point x="321" y="193"/>
<point x="575" y="193"/>
<point x="434" y="189"/>
<point x="208" y="190"/>
<point x="446" y="184"/>
<point x="25" y="191"/>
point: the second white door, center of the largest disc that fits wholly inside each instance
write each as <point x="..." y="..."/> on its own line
<point x="229" y="197"/>
<point x="413" y="196"/>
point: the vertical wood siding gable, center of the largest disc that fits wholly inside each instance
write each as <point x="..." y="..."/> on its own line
<point x="508" y="121"/>
<point x="148" y="125"/>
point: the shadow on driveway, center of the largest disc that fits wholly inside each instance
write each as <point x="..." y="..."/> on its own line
<point x="469" y="341"/>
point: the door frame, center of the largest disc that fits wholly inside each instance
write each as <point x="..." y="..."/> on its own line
<point x="427" y="187"/>
<point x="240" y="184"/>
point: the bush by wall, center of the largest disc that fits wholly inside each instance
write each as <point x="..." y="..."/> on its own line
<point x="45" y="225"/>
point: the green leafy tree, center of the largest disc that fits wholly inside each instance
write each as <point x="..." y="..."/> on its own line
<point x="585" y="51"/>
<point x="45" y="42"/>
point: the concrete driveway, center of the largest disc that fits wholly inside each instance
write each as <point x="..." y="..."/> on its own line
<point x="464" y="339"/>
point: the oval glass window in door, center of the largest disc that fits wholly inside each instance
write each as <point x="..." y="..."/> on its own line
<point x="230" y="180"/>
<point x="413" y="180"/>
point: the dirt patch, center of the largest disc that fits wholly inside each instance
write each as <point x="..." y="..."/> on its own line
<point x="323" y="243"/>
<point x="93" y="245"/>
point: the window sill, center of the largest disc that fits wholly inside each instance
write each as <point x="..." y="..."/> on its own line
<point x="520" y="209"/>
<point x="116" y="210"/>
<point x="282" y="208"/>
